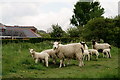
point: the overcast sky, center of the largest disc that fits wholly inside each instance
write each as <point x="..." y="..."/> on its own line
<point x="43" y="13"/>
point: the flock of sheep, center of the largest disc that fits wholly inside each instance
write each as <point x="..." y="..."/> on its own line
<point x="78" y="51"/>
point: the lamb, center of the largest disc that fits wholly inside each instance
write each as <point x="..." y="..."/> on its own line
<point x="107" y="53"/>
<point x="40" y="56"/>
<point x="100" y="46"/>
<point x="73" y="50"/>
<point x="92" y="52"/>
<point x="86" y="52"/>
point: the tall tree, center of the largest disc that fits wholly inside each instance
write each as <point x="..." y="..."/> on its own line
<point x="84" y="11"/>
<point x="57" y="31"/>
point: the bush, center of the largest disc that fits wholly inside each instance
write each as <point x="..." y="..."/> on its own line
<point x="106" y="29"/>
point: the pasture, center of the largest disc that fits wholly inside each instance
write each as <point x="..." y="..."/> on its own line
<point x="18" y="63"/>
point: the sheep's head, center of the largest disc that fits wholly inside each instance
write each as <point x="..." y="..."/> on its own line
<point x="56" y="45"/>
<point x="31" y="50"/>
<point x="83" y="43"/>
<point x="93" y="42"/>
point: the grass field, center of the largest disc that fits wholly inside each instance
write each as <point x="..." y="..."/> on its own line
<point x="18" y="63"/>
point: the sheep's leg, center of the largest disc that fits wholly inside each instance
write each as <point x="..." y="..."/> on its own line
<point x="61" y="56"/>
<point x="54" y="59"/>
<point x="61" y="61"/>
<point x="80" y="58"/>
<point x="83" y="57"/>
<point x="80" y="61"/>
<point x="88" y="57"/>
<point x="36" y="60"/>
<point x="109" y="54"/>
<point x="46" y="61"/>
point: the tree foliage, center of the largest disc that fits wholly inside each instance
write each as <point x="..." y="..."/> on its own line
<point x="57" y="31"/>
<point x="106" y="29"/>
<point x="73" y="32"/>
<point x="84" y="11"/>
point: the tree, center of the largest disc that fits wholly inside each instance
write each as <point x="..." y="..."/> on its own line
<point x="57" y="31"/>
<point x="73" y="32"/>
<point x="103" y="28"/>
<point x="97" y="28"/>
<point x="84" y="11"/>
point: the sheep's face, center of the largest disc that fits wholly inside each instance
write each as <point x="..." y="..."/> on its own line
<point x="55" y="45"/>
<point x="31" y="50"/>
<point x="83" y="43"/>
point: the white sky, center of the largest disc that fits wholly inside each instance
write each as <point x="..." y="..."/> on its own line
<point x="43" y="13"/>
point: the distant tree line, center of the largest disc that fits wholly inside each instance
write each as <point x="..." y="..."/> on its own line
<point x="88" y="23"/>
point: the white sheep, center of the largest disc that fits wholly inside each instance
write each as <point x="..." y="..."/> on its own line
<point x="40" y="56"/>
<point x="100" y="46"/>
<point x="92" y="52"/>
<point x="107" y="53"/>
<point x="86" y="54"/>
<point x="73" y="50"/>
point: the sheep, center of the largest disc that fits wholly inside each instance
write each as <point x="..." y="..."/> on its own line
<point x="73" y="50"/>
<point x="86" y="52"/>
<point x="107" y="53"/>
<point x="92" y="52"/>
<point x="100" y="46"/>
<point x="84" y="45"/>
<point x="40" y="56"/>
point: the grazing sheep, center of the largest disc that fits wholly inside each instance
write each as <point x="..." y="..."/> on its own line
<point x="86" y="54"/>
<point x="100" y="46"/>
<point x="74" y="50"/>
<point x="40" y="56"/>
<point x="107" y="53"/>
<point x="92" y="52"/>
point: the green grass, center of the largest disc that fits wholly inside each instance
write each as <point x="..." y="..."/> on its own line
<point x="18" y="63"/>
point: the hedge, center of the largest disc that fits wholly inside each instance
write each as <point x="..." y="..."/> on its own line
<point x="37" y="40"/>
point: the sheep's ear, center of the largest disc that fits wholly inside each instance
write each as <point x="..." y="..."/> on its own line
<point x="59" y="42"/>
<point x="93" y="40"/>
